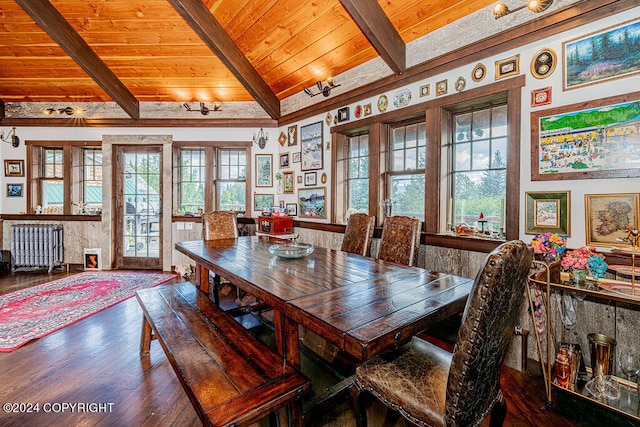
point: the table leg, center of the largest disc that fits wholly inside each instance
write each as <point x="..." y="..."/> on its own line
<point x="292" y="346"/>
<point x="202" y="275"/>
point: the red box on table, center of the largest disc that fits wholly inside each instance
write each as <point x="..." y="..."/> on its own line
<point x="275" y="224"/>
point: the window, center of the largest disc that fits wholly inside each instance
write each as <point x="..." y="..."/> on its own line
<point x="65" y="177"/>
<point x="407" y="158"/>
<point x="478" y="167"/>
<point x="357" y="180"/>
<point x="232" y="180"/>
<point x="191" y="181"/>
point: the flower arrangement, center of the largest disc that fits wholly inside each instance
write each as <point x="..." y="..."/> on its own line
<point x="550" y="245"/>
<point x="585" y="260"/>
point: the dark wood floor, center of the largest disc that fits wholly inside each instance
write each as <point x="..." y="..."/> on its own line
<point x="96" y="361"/>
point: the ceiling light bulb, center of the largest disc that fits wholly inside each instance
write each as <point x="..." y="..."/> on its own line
<point x="538" y="5"/>
<point x="330" y="81"/>
<point x="500" y="10"/>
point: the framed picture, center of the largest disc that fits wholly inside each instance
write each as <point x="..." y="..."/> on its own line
<point x="548" y="212"/>
<point x="589" y="60"/>
<point x="292" y="132"/>
<point x="295" y="157"/>
<point x="92" y="259"/>
<point x="264" y="170"/>
<point x="284" y="160"/>
<point x="282" y="139"/>
<point x="292" y="209"/>
<point x="310" y="178"/>
<point x="288" y="182"/>
<point x="367" y="109"/>
<point x="14" y="168"/>
<point x="262" y="202"/>
<point x="312" y="202"/>
<point x="507" y="67"/>
<point x="608" y="217"/>
<point x="14" y="190"/>
<point x="442" y="88"/>
<point x="586" y="140"/>
<point x="299" y="179"/>
<point x="541" y="96"/>
<point x="479" y="72"/>
<point x="343" y="114"/>
<point x="424" y="90"/>
<point x="543" y="63"/>
<point x="312" y="152"/>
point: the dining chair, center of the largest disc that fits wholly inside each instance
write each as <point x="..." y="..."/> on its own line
<point x="430" y="386"/>
<point x="400" y="240"/>
<point x="358" y="234"/>
<point x="219" y="225"/>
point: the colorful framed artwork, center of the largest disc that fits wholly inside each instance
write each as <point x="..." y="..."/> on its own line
<point x="507" y="67"/>
<point x="541" y="96"/>
<point x="543" y="63"/>
<point x="295" y="157"/>
<point x="609" y="217"/>
<point x="311" y="202"/>
<point x="14" y="190"/>
<point x="586" y="140"/>
<point x="288" y="182"/>
<point x="14" y="168"/>
<point x="383" y="103"/>
<point x="292" y="132"/>
<point x="424" y="90"/>
<point x="442" y="87"/>
<point x="357" y="112"/>
<point x="264" y="170"/>
<point x="548" y="212"/>
<point x="343" y="114"/>
<point x="367" y="109"/>
<point x="284" y="160"/>
<point x="312" y="152"/>
<point x="310" y="178"/>
<point x="262" y="202"/>
<point x="479" y="72"/>
<point x="614" y="59"/>
<point x="292" y="209"/>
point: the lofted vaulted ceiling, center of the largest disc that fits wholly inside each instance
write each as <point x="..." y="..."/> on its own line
<point x="132" y="51"/>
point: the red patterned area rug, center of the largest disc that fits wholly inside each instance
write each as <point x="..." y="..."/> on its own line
<point x="37" y="311"/>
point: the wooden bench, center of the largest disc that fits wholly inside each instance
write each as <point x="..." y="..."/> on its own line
<point x="230" y="376"/>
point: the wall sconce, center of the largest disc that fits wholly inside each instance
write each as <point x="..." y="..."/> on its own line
<point x="69" y="111"/>
<point x="11" y="138"/>
<point x="204" y="110"/>
<point x="261" y="138"/>
<point x="501" y="9"/>
<point x="325" y="90"/>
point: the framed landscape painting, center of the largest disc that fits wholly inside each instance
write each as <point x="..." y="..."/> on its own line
<point x="311" y="139"/>
<point x="609" y="217"/>
<point x="548" y="212"/>
<point x="312" y="202"/>
<point x="262" y="202"/>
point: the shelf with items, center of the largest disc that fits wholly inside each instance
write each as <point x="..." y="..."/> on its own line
<point x="540" y="287"/>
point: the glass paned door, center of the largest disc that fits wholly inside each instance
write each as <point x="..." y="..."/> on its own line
<point x="139" y="215"/>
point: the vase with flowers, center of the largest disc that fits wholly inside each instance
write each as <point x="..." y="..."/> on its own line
<point x="549" y="246"/>
<point x="582" y="262"/>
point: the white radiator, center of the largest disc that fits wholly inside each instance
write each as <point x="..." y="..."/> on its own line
<point x="37" y="245"/>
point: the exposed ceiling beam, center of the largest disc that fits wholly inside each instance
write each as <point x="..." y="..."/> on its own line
<point x="196" y="14"/>
<point x="380" y="32"/>
<point x="54" y="24"/>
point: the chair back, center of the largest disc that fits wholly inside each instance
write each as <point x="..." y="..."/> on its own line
<point x="487" y="327"/>
<point x="400" y="240"/>
<point x="219" y="225"/>
<point x="358" y="234"/>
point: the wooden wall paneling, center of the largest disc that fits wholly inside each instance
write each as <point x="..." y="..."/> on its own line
<point x="376" y="137"/>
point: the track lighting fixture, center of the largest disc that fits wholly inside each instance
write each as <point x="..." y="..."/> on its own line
<point x="261" y="138"/>
<point x="324" y="90"/>
<point x="11" y="138"/>
<point x="500" y="9"/>
<point x="69" y="111"/>
<point x="204" y="110"/>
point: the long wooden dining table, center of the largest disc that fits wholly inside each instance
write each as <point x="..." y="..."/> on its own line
<point x="360" y="304"/>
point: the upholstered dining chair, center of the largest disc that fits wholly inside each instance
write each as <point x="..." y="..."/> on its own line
<point x="400" y="240"/>
<point x="358" y="234"/>
<point x="432" y="387"/>
<point x="219" y="225"/>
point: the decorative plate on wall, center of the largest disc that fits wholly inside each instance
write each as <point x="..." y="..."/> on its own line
<point x="543" y="63"/>
<point x="357" y="112"/>
<point x="367" y="110"/>
<point x="461" y="83"/>
<point x="402" y="98"/>
<point x="441" y="88"/>
<point x="328" y="119"/>
<point x="478" y="73"/>
<point x="383" y="103"/>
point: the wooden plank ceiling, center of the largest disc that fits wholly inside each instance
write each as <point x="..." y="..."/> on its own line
<point x="132" y="51"/>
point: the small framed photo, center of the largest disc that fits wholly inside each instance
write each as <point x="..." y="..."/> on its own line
<point x="284" y="160"/>
<point x="310" y="178"/>
<point x="424" y="90"/>
<point x="262" y="202"/>
<point x="441" y="88"/>
<point x="14" y="168"/>
<point x="609" y="216"/>
<point x="343" y="114"/>
<point x="541" y="96"/>
<point x="299" y="179"/>
<point x="367" y="109"/>
<point x="14" y="190"/>
<point x="543" y="63"/>
<point x="292" y="137"/>
<point x="548" y="212"/>
<point x="292" y="209"/>
<point x="288" y="182"/>
<point x="507" y="67"/>
<point x="295" y="157"/>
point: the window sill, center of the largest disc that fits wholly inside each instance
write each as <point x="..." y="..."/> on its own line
<point x="469" y="243"/>
<point x="50" y="217"/>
